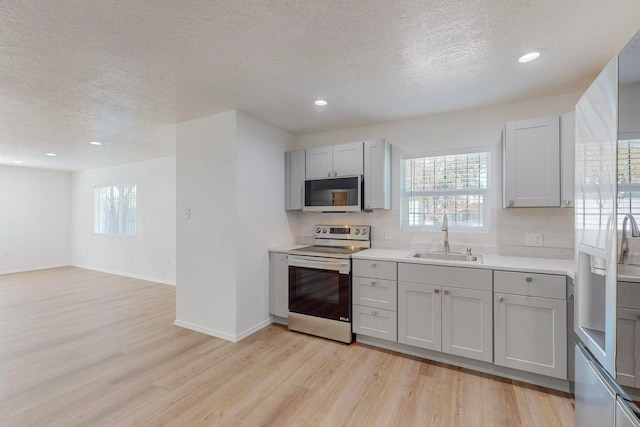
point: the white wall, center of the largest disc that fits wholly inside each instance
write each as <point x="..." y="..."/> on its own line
<point x="151" y="253"/>
<point x="262" y="220"/>
<point x="34" y="219"/>
<point x="471" y="128"/>
<point x="230" y="177"/>
<point x="206" y="242"/>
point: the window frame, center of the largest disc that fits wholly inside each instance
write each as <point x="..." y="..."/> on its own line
<point x="485" y="193"/>
<point x="98" y="209"/>
<point x="632" y="188"/>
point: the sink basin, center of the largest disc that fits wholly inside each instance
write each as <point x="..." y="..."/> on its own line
<point x="440" y="256"/>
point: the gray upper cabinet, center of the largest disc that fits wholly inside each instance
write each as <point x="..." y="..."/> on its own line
<point x="335" y="160"/>
<point x="567" y="159"/>
<point x="532" y="163"/>
<point x="294" y="173"/>
<point x="377" y="174"/>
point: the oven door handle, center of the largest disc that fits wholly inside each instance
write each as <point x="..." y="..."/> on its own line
<point x="343" y="267"/>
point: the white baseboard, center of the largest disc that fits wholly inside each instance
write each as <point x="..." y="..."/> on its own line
<point x="33" y="268"/>
<point x="254" y="329"/>
<point x="126" y="274"/>
<point x="203" y="330"/>
<point x="222" y="335"/>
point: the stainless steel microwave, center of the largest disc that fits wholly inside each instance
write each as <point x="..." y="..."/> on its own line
<point x="339" y="194"/>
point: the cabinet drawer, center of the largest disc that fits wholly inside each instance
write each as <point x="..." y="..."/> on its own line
<point x="375" y="293"/>
<point x="375" y="322"/>
<point x="629" y="295"/>
<point x="457" y="277"/>
<point x="530" y="284"/>
<point x="377" y="269"/>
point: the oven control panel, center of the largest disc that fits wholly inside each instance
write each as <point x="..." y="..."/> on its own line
<point x="351" y="232"/>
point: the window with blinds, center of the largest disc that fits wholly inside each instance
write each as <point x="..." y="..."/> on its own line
<point x="628" y="178"/>
<point x="453" y="184"/>
<point x="115" y="210"/>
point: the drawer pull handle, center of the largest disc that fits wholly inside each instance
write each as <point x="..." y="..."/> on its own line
<point x="375" y="313"/>
<point x="446" y="292"/>
<point x="436" y="291"/>
<point x="373" y="283"/>
<point x="500" y="299"/>
<point x="373" y="265"/>
<point x="529" y="279"/>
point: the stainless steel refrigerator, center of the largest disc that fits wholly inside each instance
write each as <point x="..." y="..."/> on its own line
<point x="600" y="116"/>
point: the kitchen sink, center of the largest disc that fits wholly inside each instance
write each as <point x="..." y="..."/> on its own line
<point x="441" y="256"/>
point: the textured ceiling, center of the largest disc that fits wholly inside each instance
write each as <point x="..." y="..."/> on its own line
<point x="124" y="72"/>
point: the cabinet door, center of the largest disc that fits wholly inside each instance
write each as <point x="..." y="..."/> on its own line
<point x="294" y="163"/>
<point x="419" y="315"/>
<point x="348" y="159"/>
<point x="627" y="340"/>
<point x="278" y="284"/>
<point x="531" y="334"/>
<point x="375" y="322"/>
<point x="319" y="162"/>
<point x="532" y="163"/>
<point x="567" y="159"/>
<point x="467" y="323"/>
<point x="377" y="174"/>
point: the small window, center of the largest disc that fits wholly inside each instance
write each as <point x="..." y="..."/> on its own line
<point x="115" y="210"/>
<point x="628" y="179"/>
<point x="455" y="184"/>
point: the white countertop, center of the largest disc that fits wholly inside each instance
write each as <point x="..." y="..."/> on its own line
<point x="493" y="262"/>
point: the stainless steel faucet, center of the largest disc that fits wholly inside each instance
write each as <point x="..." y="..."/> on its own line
<point x="635" y="232"/>
<point x="445" y="228"/>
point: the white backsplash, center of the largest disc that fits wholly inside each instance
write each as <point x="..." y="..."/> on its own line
<point x="506" y="236"/>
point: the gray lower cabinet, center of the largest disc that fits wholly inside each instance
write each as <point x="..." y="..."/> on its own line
<point x="628" y="335"/>
<point x="467" y="318"/>
<point x="446" y="309"/>
<point x="278" y="284"/>
<point x="530" y="322"/>
<point x="419" y="319"/>
<point x="375" y="294"/>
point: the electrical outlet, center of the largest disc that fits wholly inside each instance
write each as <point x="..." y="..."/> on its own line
<point x="533" y="239"/>
<point x="387" y="234"/>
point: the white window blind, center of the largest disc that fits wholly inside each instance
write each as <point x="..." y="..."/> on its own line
<point x="628" y="178"/>
<point x="115" y="210"/>
<point x="456" y="184"/>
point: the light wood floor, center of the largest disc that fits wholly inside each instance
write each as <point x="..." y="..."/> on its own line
<point x="79" y="347"/>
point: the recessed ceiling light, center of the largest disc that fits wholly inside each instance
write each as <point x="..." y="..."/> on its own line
<point x="320" y="102"/>
<point x="17" y="161"/>
<point x="51" y="154"/>
<point x="528" y="57"/>
<point x="95" y="143"/>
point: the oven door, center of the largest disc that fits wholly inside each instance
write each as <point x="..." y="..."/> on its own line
<point x="320" y="287"/>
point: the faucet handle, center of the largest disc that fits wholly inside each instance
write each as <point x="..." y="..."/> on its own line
<point x="468" y="251"/>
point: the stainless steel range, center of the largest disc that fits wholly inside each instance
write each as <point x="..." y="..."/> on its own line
<point x="320" y="281"/>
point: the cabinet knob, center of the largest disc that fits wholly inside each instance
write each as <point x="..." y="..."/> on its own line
<point x="446" y="292"/>
<point x="436" y="291"/>
<point x="529" y="279"/>
<point x="500" y="299"/>
<point x="375" y="313"/>
<point x="373" y="265"/>
<point x="373" y="283"/>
